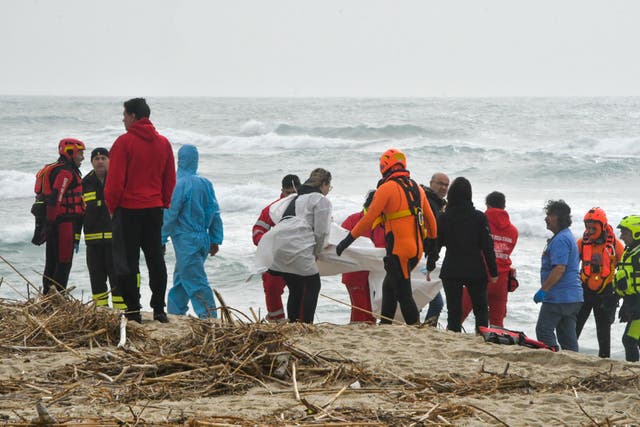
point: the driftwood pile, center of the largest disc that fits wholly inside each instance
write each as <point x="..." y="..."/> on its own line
<point x="215" y="358"/>
<point x="59" y="322"/>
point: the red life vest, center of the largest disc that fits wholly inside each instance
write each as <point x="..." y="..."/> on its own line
<point x="506" y="336"/>
<point x="598" y="260"/>
<point x="43" y="179"/>
<point x="70" y="203"/>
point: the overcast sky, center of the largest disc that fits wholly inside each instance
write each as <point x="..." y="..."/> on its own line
<point x="319" y="48"/>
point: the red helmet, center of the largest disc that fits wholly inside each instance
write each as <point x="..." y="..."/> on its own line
<point x="69" y="147"/>
<point x="392" y="157"/>
<point x="596" y="214"/>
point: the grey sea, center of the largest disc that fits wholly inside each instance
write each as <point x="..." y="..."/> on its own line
<point x="583" y="150"/>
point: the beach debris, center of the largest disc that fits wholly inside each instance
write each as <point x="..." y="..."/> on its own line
<point x="221" y="357"/>
<point x="60" y="322"/>
<point x="123" y="331"/>
<point x="374" y="314"/>
<point x="43" y="415"/>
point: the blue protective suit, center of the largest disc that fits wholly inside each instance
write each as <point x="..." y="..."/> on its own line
<point x="193" y="222"/>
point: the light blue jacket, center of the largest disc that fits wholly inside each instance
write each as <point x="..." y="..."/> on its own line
<point x="194" y="209"/>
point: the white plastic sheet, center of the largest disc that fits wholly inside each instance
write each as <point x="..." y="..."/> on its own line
<point x="362" y="255"/>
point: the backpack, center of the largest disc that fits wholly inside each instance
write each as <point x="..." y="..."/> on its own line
<point x="42" y="188"/>
<point x="499" y="335"/>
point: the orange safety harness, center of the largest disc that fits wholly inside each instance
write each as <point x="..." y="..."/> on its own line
<point x="412" y="195"/>
<point x="597" y="259"/>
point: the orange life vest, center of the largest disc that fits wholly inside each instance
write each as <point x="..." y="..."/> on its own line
<point x="598" y="260"/>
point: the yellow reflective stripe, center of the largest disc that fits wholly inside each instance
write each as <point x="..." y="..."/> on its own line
<point x="97" y="236"/>
<point x="118" y="302"/>
<point x="77" y="236"/>
<point x="89" y="196"/>
<point x="138" y="280"/>
<point x="390" y="217"/>
<point x="101" y="299"/>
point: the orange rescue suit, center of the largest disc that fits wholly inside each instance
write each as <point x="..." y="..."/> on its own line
<point x="400" y="233"/>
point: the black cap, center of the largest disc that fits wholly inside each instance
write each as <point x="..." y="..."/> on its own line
<point x="99" y="150"/>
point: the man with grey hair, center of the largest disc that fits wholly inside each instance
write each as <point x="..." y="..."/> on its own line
<point x="436" y="193"/>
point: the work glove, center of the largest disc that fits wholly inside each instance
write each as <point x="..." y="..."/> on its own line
<point x="344" y="244"/>
<point x="539" y="296"/>
<point x="76" y="246"/>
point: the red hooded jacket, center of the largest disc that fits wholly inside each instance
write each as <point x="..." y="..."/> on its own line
<point x="505" y="236"/>
<point x="142" y="170"/>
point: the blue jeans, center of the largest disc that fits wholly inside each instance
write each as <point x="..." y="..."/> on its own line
<point x="435" y="306"/>
<point x="558" y="319"/>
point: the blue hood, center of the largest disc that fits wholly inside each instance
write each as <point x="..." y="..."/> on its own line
<point x="187" y="160"/>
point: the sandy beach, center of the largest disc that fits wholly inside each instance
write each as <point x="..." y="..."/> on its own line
<point x="192" y="372"/>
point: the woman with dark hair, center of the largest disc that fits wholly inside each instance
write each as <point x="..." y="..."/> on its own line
<point x="464" y="230"/>
<point x="301" y="234"/>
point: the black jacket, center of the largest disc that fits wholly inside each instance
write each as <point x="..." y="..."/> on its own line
<point x="464" y="231"/>
<point x="97" y="222"/>
<point x="435" y="202"/>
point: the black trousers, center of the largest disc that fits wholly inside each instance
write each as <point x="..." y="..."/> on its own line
<point x="631" y="345"/>
<point x="135" y="229"/>
<point x="303" y="296"/>
<point x="604" y="312"/>
<point x="100" y="265"/>
<point x="59" y="256"/>
<point x="396" y="289"/>
<point x="477" y="291"/>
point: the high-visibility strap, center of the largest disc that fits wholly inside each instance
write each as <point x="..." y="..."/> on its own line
<point x="276" y="314"/>
<point x="118" y="302"/>
<point x="101" y="299"/>
<point x="97" y="236"/>
<point x="89" y="196"/>
<point x="262" y="224"/>
<point x="634" y="329"/>
<point x="390" y="217"/>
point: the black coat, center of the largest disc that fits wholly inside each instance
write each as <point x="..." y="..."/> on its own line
<point x="464" y="231"/>
<point x="435" y="202"/>
<point x="97" y="221"/>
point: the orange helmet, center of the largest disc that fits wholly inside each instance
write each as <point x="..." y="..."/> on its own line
<point x="596" y="214"/>
<point x="392" y="157"/>
<point x="69" y="147"/>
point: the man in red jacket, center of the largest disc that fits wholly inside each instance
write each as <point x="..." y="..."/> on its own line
<point x="141" y="179"/>
<point x="273" y="285"/>
<point x="505" y="236"/>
